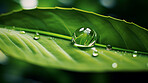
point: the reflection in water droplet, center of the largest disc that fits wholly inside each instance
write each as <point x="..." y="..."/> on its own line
<point x="114" y="65"/>
<point x="36" y="36"/>
<point x="95" y="53"/>
<point x="108" y="47"/>
<point x="22" y="32"/>
<point x="84" y="37"/>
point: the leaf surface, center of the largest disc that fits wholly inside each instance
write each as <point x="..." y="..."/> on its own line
<point x="60" y="53"/>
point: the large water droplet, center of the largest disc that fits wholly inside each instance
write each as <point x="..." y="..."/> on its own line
<point x="36" y="36"/>
<point x="114" y="65"/>
<point x="108" y="47"/>
<point x="22" y="32"/>
<point x="84" y="37"/>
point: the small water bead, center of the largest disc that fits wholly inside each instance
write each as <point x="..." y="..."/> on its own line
<point x="95" y="53"/>
<point x="114" y="65"/>
<point x="84" y="37"/>
<point x="108" y="47"/>
<point x="22" y="32"/>
<point x="36" y="36"/>
<point x="135" y="54"/>
<point x="135" y="51"/>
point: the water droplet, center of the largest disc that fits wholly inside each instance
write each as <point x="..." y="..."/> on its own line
<point x="115" y="52"/>
<point x="36" y="36"/>
<point x="84" y="37"/>
<point x="108" y="47"/>
<point x="114" y="65"/>
<point x="135" y="54"/>
<point x="22" y="32"/>
<point x="95" y="53"/>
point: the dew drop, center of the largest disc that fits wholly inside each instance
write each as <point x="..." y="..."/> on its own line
<point x="135" y="54"/>
<point x="22" y="32"/>
<point x="95" y="53"/>
<point x="84" y="37"/>
<point x="108" y="47"/>
<point x="114" y="65"/>
<point x="36" y="36"/>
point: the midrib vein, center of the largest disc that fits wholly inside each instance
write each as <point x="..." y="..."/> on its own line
<point x="70" y="38"/>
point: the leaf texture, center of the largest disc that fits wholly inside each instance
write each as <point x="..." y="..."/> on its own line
<point x="60" y="53"/>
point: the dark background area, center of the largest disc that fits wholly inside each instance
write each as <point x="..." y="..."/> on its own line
<point x="130" y="10"/>
<point x="15" y="71"/>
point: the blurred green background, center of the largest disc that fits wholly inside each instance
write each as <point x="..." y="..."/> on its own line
<point x="15" y="71"/>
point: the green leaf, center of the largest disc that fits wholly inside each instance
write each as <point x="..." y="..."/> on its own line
<point x="58" y="52"/>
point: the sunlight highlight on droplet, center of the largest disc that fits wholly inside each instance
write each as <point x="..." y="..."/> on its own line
<point x="29" y="4"/>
